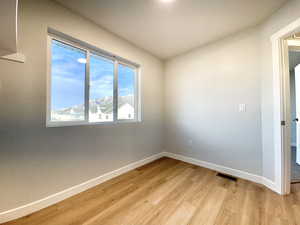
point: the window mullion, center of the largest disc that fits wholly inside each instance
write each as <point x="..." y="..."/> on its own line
<point x="87" y="87"/>
<point x="49" y="80"/>
<point x="136" y="95"/>
<point x="115" y="102"/>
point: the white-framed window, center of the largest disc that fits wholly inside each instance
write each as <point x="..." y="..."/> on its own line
<point x="87" y="85"/>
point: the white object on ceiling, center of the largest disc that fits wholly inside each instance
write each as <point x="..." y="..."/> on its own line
<point x="8" y="26"/>
<point x="168" y="28"/>
<point x="16" y="57"/>
<point x="9" y="31"/>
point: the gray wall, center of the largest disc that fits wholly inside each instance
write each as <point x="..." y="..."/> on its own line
<point x="35" y="161"/>
<point x="204" y="88"/>
<point x="203" y="91"/>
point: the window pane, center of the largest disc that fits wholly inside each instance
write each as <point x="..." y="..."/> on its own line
<point x="101" y="89"/>
<point x="126" y="86"/>
<point x="67" y="82"/>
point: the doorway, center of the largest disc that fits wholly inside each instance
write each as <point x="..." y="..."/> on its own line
<point x="282" y="120"/>
<point x="294" y="68"/>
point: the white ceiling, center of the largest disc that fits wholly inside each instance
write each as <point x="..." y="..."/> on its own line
<point x="169" y="28"/>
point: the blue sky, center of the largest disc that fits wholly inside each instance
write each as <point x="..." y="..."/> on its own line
<point x="126" y="80"/>
<point x="68" y="77"/>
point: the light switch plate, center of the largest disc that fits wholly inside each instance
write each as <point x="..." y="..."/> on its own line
<point x="242" y="107"/>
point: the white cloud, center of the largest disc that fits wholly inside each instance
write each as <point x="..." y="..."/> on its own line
<point x="102" y="87"/>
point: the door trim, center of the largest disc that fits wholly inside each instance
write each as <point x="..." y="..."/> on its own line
<point x="281" y="107"/>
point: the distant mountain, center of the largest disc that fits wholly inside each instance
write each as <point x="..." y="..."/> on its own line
<point x="105" y="104"/>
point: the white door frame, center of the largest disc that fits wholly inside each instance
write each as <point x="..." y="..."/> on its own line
<point x="281" y="107"/>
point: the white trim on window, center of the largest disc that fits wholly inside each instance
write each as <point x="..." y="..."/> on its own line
<point x="136" y="90"/>
<point x="116" y="93"/>
<point x="88" y="49"/>
<point x="81" y="44"/>
<point x="87" y="88"/>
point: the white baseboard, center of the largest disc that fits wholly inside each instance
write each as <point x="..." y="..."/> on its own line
<point x="218" y="168"/>
<point x="270" y="184"/>
<point x="233" y="172"/>
<point x="55" y="198"/>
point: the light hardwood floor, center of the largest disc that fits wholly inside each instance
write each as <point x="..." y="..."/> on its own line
<point x="171" y="192"/>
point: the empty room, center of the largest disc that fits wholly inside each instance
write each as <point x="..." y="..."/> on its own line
<point x="150" y="112"/>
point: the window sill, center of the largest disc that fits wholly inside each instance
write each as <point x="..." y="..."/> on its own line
<point x="72" y="124"/>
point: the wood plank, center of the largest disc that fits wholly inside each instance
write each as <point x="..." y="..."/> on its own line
<point x="167" y="192"/>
